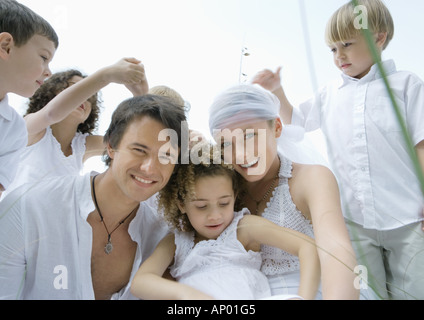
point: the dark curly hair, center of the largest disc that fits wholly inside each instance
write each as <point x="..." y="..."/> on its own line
<point x="56" y="84"/>
<point x="181" y="185"/>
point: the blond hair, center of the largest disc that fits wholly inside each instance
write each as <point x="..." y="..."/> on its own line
<point x="168" y="92"/>
<point x="341" y="26"/>
<point x="181" y="186"/>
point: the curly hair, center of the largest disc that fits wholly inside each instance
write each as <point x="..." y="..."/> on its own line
<point x="56" y="84"/>
<point x="181" y="185"/>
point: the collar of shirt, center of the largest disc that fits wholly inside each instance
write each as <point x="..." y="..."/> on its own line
<point x="86" y="206"/>
<point x="374" y="73"/>
<point x="6" y="110"/>
<point x="146" y="229"/>
<point x="85" y="203"/>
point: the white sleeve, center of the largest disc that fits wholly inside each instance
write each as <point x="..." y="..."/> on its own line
<point x="12" y="248"/>
<point x="13" y="140"/>
<point x="308" y="114"/>
<point x="297" y="147"/>
<point x="9" y="166"/>
<point x="294" y="144"/>
<point x="415" y="111"/>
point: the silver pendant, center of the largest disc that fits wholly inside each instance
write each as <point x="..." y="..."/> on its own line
<point x="108" y="247"/>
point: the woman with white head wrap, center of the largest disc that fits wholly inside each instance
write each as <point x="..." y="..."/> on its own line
<point x="244" y="121"/>
<point x="251" y="103"/>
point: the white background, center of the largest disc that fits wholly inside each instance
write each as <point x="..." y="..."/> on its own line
<point x="194" y="46"/>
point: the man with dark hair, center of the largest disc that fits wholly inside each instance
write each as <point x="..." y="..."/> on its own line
<point x="85" y="237"/>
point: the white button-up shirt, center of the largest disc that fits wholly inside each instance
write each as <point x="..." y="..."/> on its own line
<point x="46" y="241"/>
<point x="13" y="140"/>
<point x="367" y="151"/>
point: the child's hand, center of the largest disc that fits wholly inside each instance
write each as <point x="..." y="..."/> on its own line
<point x="140" y="88"/>
<point x="129" y="72"/>
<point x="268" y="80"/>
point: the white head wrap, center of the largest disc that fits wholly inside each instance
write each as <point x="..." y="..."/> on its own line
<point x="242" y="104"/>
<point x="247" y="103"/>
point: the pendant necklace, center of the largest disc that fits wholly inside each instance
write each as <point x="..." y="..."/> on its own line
<point x="266" y="194"/>
<point x="108" y="246"/>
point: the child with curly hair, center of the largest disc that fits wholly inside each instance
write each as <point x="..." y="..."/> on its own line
<point x="62" y="116"/>
<point x="214" y="251"/>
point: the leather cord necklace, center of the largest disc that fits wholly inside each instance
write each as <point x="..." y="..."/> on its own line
<point x="108" y="246"/>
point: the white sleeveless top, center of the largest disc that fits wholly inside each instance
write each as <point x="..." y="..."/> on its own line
<point x="221" y="268"/>
<point x="45" y="159"/>
<point x="282" y="211"/>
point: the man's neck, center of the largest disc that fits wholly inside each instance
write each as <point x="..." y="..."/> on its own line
<point x="112" y="202"/>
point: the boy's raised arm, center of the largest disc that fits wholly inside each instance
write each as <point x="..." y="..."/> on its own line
<point x="127" y="71"/>
<point x="271" y="81"/>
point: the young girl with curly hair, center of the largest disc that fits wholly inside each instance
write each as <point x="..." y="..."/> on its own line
<point x="62" y="116"/>
<point x="214" y="251"/>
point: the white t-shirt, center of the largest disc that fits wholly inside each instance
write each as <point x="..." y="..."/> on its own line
<point x="366" y="148"/>
<point x="13" y="140"/>
<point x="45" y="241"/>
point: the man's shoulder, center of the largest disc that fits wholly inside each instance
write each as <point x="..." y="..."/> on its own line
<point x="149" y="214"/>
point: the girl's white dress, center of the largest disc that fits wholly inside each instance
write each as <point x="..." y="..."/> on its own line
<point x="221" y="268"/>
<point x="45" y="159"/>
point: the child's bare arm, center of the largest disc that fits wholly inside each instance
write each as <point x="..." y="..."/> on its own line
<point x="127" y="71"/>
<point x="254" y="230"/>
<point x="148" y="283"/>
<point x="316" y="194"/>
<point x="271" y="81"/>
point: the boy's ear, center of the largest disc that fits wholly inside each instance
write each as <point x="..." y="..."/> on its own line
<point x="381" y="39"/>
<point x="6" y="43"/>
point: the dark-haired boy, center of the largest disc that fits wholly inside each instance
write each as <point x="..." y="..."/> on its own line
<point x="27" y="46"/>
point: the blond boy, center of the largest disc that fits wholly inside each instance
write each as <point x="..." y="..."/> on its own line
<point x="379" y="187"/>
